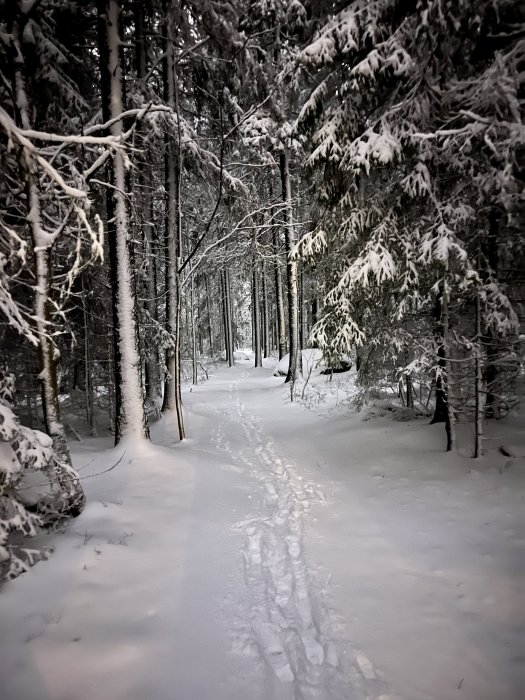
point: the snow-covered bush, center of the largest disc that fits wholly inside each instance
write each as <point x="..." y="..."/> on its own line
<point x="24" y="509"/>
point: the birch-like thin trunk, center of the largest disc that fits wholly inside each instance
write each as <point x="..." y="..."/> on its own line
<point x="291" y="269"/>
<point x="225" y="317"/>
<point x="279" y="301"/>
<point x="88" y="375"/>
<point x="132" y="421"/>
<point x="302" y="319"/>
<point x="208" y="309"/>
<point x="193" y="334"/>
<point x="229" y="319"/>
<point x="256" y="318"/>
<point x="479" y="393"/>
<point x="450" y="423"/>
<point x="265" y="313"/>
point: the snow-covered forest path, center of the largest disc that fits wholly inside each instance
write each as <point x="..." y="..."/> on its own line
<point x="274" y="555"/>
<point x="286" y="622"/>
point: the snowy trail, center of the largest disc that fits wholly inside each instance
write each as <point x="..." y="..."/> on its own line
<point x="288" y="619"/>
<point x="274" y="555"/>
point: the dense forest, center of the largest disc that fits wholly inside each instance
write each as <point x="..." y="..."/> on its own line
<point x="181" y="178"/>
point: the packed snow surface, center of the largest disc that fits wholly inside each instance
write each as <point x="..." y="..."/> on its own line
<point x="311" y="359"/>
<point x="276" y="555"/>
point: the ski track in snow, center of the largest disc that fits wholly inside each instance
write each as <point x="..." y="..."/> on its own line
<point x="287" y="619"/>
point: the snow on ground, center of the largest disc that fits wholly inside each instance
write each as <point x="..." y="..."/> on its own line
<point x="277" y="554"/>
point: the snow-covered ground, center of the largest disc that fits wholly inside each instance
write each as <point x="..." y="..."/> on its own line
<point x="277" y="554"/>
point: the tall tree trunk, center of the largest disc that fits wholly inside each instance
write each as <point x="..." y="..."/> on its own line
<point x="279" y="301"/>
<point x="225" y="318"/>
<point x="70" y="495"/>
<point x="132" y="420"/>
<point x="193" y="335"/>
<point x="228" y="319"/>
<point x="491" y="340"/>
<point x="450" y="423"/>
<point x="114" y="365"/>
<point x="291" y="269"/>
<point x="88" y="373"/>
<point x="256" y="317"/>
<point x="265" y="313"/>
<point x="479" y="393"/>
<point x="440" y="410"/>
<point x="208" y="309"/>
<point x="172" y="396"/>
<point x="151" y="364"/>
<point x="42" y="244"/>
<point x="302" y="312"/>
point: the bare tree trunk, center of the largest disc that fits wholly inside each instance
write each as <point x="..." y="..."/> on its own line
<point x="291" y="268"/>
<point x="440" y="410"/>
<point x="114" y="365"/>
<point x="173" y="399"/>
<point x="208" y="308"/>
<point x="132" y="419"/>
<point x="88" y="374"/>
<point x="229" y="318"/>
<point x="265" y="314"/>
<point x="193" y="335"/>
<point x="302" y="312"/>
<point x="279" y="301"/>
<point x="409" y="391"/>
<point x="450" y="424"/>
<point x="479" y="393"/>
<point x="225" y="318"/>
<point x="256" y="317"/>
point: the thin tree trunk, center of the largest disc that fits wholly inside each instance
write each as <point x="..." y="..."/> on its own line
<point x="88" y="377"/>
<point x="193" y="335"/>
<point x="302" y="312"/>
<point x="440" y="410"/>
<point x="229" y="318"/>
<point x="479" y="394"/>
<point x="265" y="314"/>
<point x="450" y="424"/>
<point x="291" y="268"/>
<point x="279" y="301"/>
<point x="208" y="308"/>
<point x="173" y="399"/>
<point x="256" y="318"/>
<point x="225" y="318"/>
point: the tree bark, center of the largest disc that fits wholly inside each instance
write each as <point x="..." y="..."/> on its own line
<point x="256" y="317"/>
<point x="115" y="364"/>
<point x="132" y="419"/>
<point x="279" y="301"/>
<point x="172" y="392"/>
<point x="479" y="393"/>
<point x="265" y="314"/>
<point x="450" y="423"/>
<point x="193" y="334"/>
<point x="228" y="319"/>
<point x="291" y="269"/>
